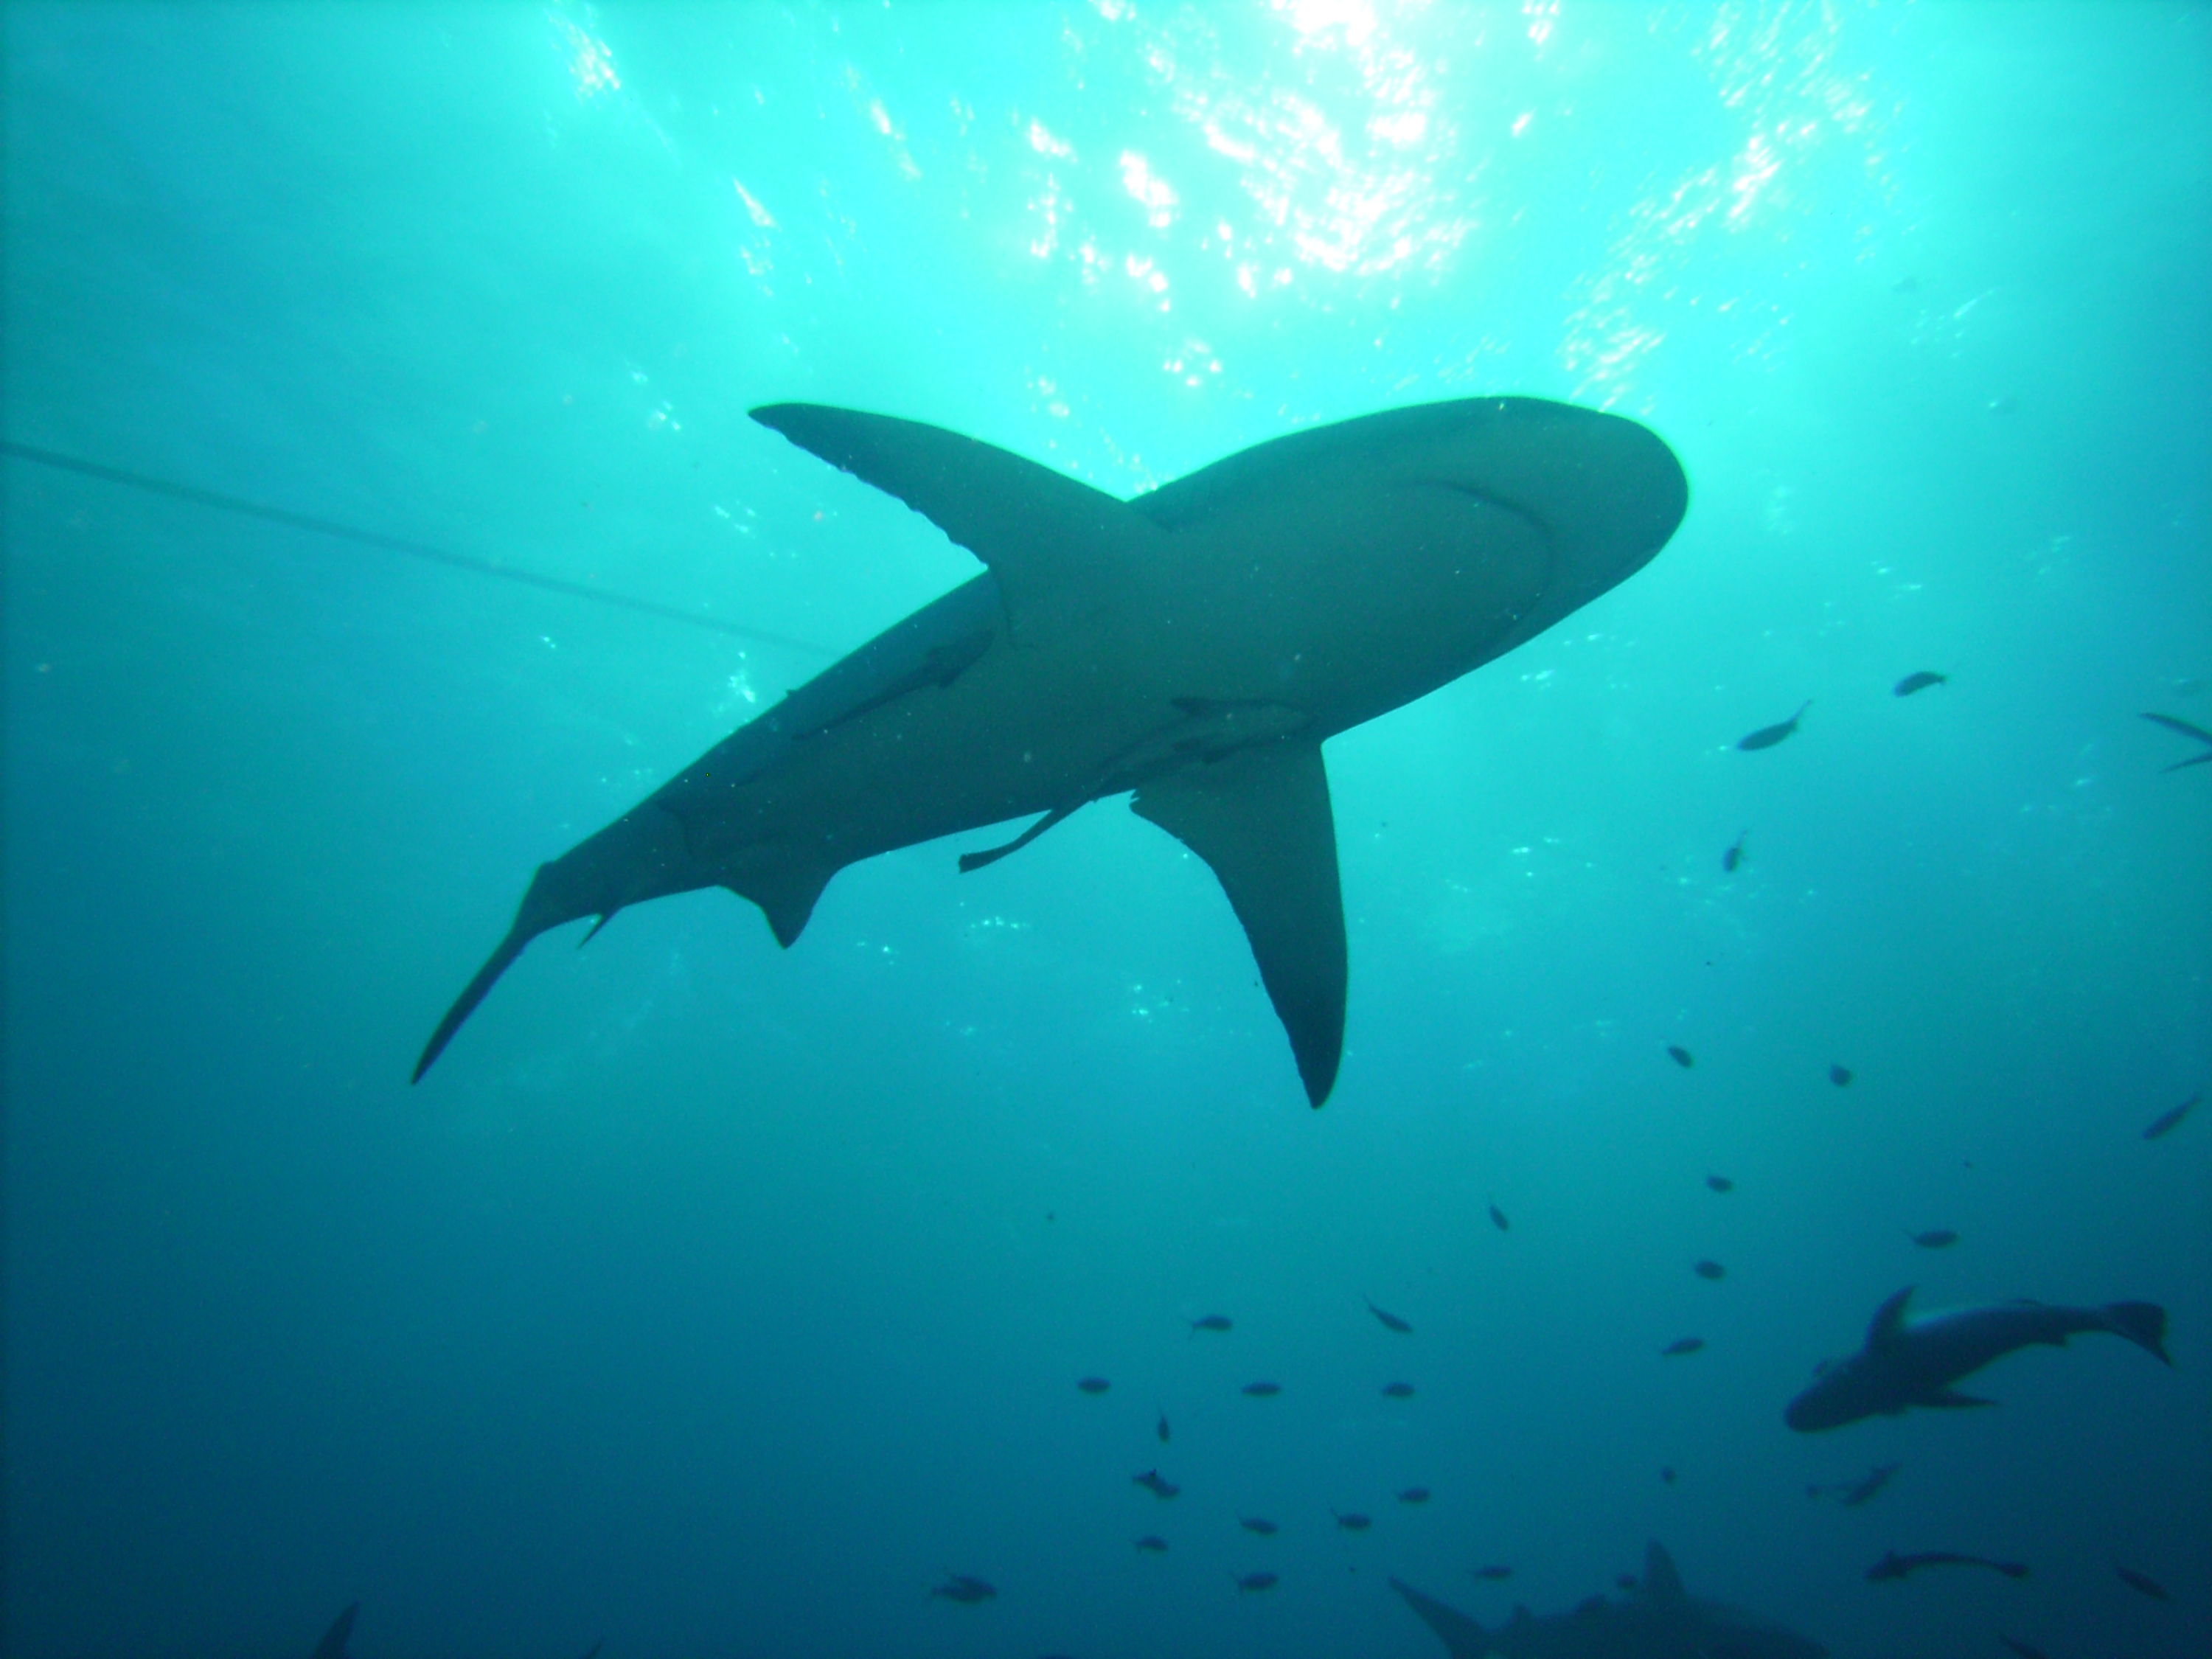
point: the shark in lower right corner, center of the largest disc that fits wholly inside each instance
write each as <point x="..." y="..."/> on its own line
<point x="1657" y="1620"/>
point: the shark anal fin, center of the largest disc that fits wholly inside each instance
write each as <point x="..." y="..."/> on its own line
<point x="1951" y="1397"/>
<point x="1260" y="817"/>
<point x="1462" y="1638"/>
<point x="1044" y="535"/>
<point x="786" y="888"/>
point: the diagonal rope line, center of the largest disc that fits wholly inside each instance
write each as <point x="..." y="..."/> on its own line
<point x="399" y="544"/>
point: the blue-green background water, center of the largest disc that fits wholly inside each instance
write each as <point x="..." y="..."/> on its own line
<point x="715" y="1299"/>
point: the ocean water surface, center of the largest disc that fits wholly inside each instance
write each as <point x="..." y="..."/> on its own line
<point x="383" y="516"/>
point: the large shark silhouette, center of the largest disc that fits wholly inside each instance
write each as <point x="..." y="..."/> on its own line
<point x="1658" y="1620"/>
<point x="1196" y="645"/>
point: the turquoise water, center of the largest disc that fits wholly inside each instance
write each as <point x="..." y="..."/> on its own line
<point x="717" y="1299"/>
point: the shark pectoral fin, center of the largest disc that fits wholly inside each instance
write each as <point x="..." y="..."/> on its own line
<point x="785" y="888"/>
<point x="1462" y="1638"/>
<point x="1043" y="534"/>
<point x="1951" y="1397"/>
<point x="1260" y="817"/>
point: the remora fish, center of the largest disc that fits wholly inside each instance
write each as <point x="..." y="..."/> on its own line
<point x="967" y="1590"/>
<point x="1391" y="1320"/>
<point x="1655" y="1619"/>
<point x="2143" y="1581"/>
<point x="1893" y="1566"/>
<point x="1852" y="1493"/>
<point x="2167" y="1122"/>
<point x="1918" y="682"/>
<point x="1915" y="1364"/>
<point x="1196" y="645"/>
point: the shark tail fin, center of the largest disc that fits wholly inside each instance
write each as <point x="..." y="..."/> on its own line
<point x="1462" y="1638"/>
<point x="333" y="1644"/>
<point x="544" y="906"/>
<point x="2143" y="1323"/>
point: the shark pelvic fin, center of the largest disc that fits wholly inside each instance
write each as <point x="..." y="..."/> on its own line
<point x="1044" y="535"/>
<point x="1260" y="817"/>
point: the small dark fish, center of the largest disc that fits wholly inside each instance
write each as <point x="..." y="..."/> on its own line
<point x="1263" y="1390"/>
<point x="1254" y="1524"/>
<point x="1498" y="1216"/>
<point x="1840" y="1076"/>
<point x="1936" y="1238"/>
<point x="1734" y="856"/>
<point x="2022" y="1647"/>
<point x="2137" y="1580"/>
<point x="959" y="1587"/>
<point x="1153" y="1544"/>
<point x="1709" y="1270"/>
<point x="1720" y="1183"/>
<point x="1094" y="1385"/>
<point x="1353" y="1521"/>
<point x="1893" y="1566"/>
<point x="1151" y="1481"/>
<point x="1919" y="682"/>
<point x="1163" y="1430"/>
<point x="1391" y="1320"/>
<point x="1682" y="1344"/>
<point x="2165" y="1122"/>
<point x="1681" y="1056"/>
<point x="2187" y="731"/>
<point x="1255" y="1581"/>
<point x="1414" y="1495"/>
<point x="1397" y="1390"/>
<point x="1767" y="736"/>
<point x="1211" y="1322"/>
<point x="1495" y="1575"/>
<point x="1666" y="1474"/>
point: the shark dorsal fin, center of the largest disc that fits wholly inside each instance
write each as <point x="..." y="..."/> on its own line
<point x="1888" y="1324"/>
<point x="1044" y="535"/>
<point x="1663" y="1585"/>
<point x="333" y="1644"/>
<point x="1260" y="817"/>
